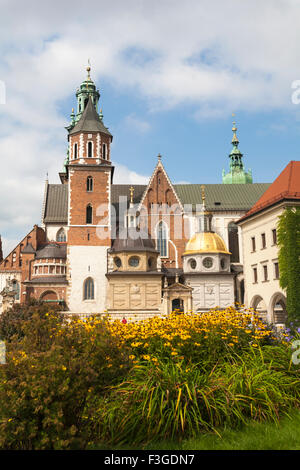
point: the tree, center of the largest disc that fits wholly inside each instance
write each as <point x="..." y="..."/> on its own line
<point x="289" y="259"/>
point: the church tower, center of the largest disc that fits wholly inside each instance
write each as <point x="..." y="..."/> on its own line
<point x="89" y="176"/>
<point x="237" y="173"/>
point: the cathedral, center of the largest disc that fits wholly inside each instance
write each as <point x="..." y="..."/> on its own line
<point x="130" y="249"/>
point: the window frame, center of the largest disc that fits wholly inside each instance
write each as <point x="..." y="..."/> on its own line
<point x="89" y="289"/>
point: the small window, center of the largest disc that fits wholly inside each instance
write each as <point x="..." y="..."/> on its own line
<point x="88" y="289"/>
<point x="61" y="236"/>
<point x="265" y="269"/>
<point x="255" y="275"/>
<point x="89" y="184"/>
<point x="276" y="270"/>
<point x="207" y="262"/>
<point x="263" y="240"/>
<point x="118" y="262"/>
<point x="89" y="214"/>
<point x="134" y="261"/>
<point x="223" y="263"/>
<point x="274" y="236"/>
<point x="75" y="151"/>
<point x="104" y="151"/>
<point x="16" y="289"/>
<point x="193" y="263"/>
<point x="90" y="149"/>
<point x="253" y="244"/>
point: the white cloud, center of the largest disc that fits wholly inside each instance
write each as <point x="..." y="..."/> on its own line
<point x="140" y="125"/>
<point x="217" y="56"/>
<point x="124" y="175"/>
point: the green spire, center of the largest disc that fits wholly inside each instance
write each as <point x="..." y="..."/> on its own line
<point x="237" y="173"/>
<point x="87" y="89"/>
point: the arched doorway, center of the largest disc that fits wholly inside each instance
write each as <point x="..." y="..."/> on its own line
<point x="48" y="295"/>
<point x="278" y="308"/>
<point x="259" y="305"/>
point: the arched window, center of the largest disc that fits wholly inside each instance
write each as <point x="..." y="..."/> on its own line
<point x="104" y="151"/>
<point x="88" y="289"/>
<point x="61" y="235"/>
<point x="89" y="184"/>
<point x="75" y="151"/>
<point x="233" y="242"/>
<point x="89" y="214"/>
<point x="90" y="149"/>
<point x="162" y="239"/>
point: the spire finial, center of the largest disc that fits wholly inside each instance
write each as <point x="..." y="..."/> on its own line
<point x="235" y="140"/>
<point x="131" y="190"/>
<point x="88" y="69"/>
<point x="159" y="157"/>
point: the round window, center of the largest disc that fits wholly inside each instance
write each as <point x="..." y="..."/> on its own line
<point x="207" y="262"/>
<point x="134" y="261"/>
<point x="118" y="262"/>
<point x="223" y="263"/>
<point x="193" y="263"/>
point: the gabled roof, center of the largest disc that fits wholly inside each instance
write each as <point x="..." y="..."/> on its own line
<point x="285" y="187"/>
<point x="90" y="121"/>
<point x="159" y="166"/>
<point x="56" y="204"/>
<point x="218" y="197"/>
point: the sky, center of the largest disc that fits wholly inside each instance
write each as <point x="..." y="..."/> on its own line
<point x="170" y="74"/>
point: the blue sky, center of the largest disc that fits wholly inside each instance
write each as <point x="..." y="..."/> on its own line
<point x="170" y="75"/>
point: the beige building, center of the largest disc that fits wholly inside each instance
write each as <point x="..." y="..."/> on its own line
<point x="260" y="249"/>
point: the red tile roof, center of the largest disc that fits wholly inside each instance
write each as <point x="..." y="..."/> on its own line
<point x="285" y="187"/>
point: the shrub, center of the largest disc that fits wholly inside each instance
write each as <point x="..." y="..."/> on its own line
<point x="12" y="321"/>
<point x="49" y="374"/>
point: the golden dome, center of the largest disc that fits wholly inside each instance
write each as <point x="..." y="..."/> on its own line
<point x="206" y="242"/>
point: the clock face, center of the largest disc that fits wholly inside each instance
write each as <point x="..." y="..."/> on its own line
<point x="207" y="262"/>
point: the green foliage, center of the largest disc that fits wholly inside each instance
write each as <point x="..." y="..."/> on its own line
<point x="74" y="384"/>
<point x="172" y="401"/>
<point x="12" y="321"/>
<point x="50" y="373"/>
<point x="289" y="259"/>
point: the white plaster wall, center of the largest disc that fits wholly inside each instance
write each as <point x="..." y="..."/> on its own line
<point x="211" y="291"/>
<point x="51" y="231"/>
<point x="84" y="262"/>
<point x="254" y="227"/>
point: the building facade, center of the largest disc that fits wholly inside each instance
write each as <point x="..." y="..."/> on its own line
<point x="259" y="235"/>
<point x="129" y="248"/>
